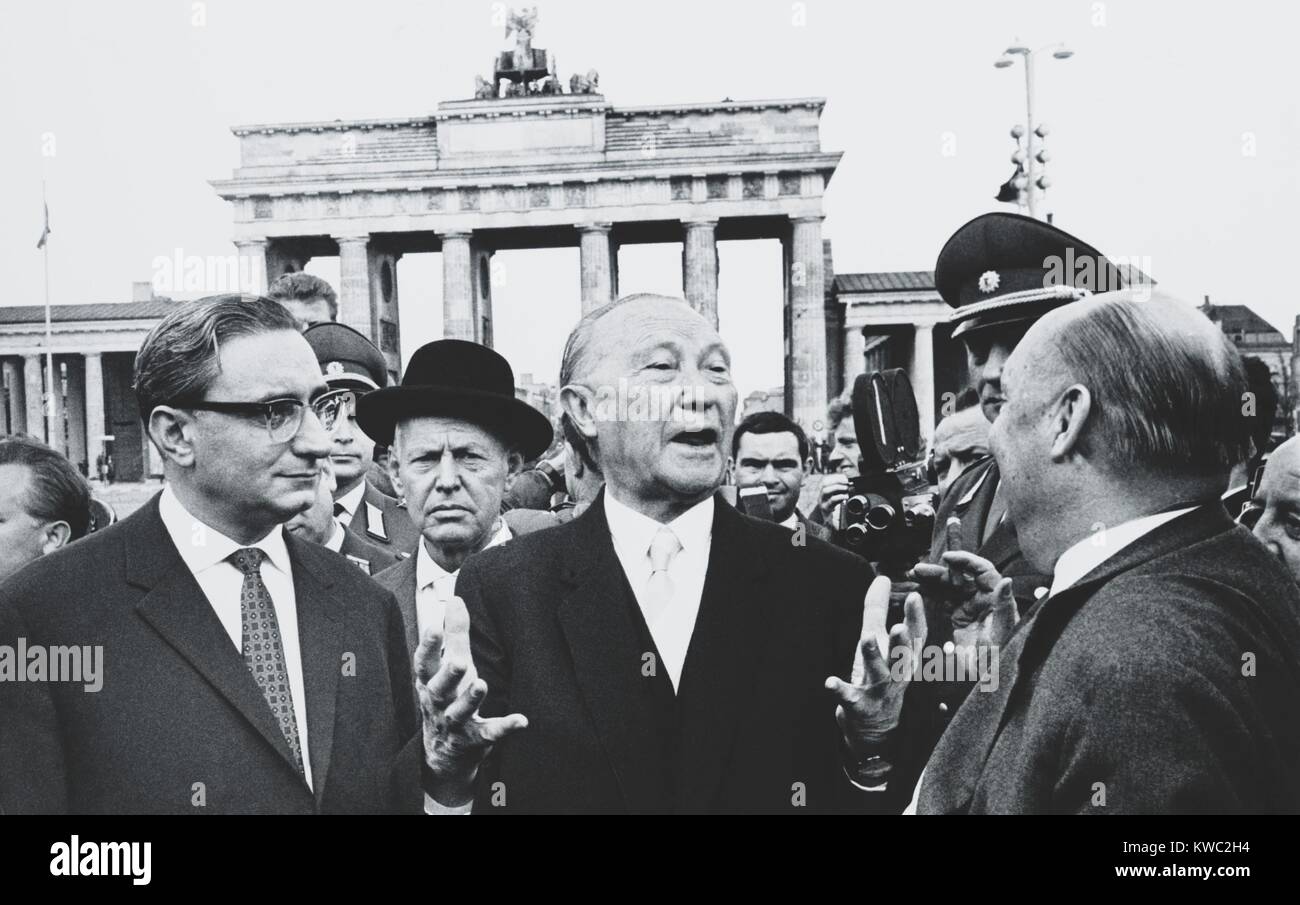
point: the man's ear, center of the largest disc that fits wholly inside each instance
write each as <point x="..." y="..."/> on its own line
<point x="1069" y="420"/>
<point x="57" y="534"/>
<point x="393" y="474"/>
<point x="514" y="465"/>
<point x="579" y="403"/>
<point x="172" y="431"/>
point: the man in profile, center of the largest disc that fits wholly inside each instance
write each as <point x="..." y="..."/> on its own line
<point x="44" y="503"/>
<point x="245" y="670"/>
<point x="1161" y="671"/>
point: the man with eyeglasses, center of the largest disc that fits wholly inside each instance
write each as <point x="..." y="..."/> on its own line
<point x="351" y="362"/>
<point x="223" y="666"/>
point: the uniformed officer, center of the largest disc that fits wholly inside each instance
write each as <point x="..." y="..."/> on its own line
<point x="350" y="361"/>
<point x="1001" y="272"/>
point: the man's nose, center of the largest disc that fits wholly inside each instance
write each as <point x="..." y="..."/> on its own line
<point x="344" y="432"/>
<point x="447" y="477"/>
<point x="311" y="441"/>
<point x="769" y="476"/>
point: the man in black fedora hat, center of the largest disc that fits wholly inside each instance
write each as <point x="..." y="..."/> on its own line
<point x="458" y="436"/>
<point x="349" y="361"/>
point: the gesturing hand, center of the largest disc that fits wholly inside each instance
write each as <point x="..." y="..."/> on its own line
<point x="456" y="738"/>
<point x="988" y="616"/>
<point x="870" y="703"/>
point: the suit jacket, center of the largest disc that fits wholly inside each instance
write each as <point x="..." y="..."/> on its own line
<point x="400" y="582"/>
<point x="815" y="529"/>
<point x="1164" y="681"/>
<point x="179" y="708"/>
<point x="557" y="635"/>
<point x="384" y="521"/>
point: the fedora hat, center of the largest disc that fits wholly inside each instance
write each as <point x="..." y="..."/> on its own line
<point x="457" y="379"/>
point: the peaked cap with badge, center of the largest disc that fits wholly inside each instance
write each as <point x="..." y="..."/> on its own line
<point x="1003" y="268"/>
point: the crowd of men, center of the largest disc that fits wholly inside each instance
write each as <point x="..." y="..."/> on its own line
<point x="353" y="595"/>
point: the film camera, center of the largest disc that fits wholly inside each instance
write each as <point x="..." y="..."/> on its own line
<point x="888" y="517"/>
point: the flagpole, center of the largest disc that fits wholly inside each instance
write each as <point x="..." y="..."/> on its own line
<point x="49" y="342"/>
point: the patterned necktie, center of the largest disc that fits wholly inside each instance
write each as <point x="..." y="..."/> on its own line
<point x="263" y="650"/>
<point x="659" y="588"/>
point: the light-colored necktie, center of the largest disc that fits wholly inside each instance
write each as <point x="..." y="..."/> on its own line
<point x="659" y="588"/>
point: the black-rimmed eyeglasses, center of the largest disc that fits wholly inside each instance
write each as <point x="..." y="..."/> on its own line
<point x="283" y="417"/>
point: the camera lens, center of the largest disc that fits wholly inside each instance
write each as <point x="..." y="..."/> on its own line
<point x="880" y="516"/>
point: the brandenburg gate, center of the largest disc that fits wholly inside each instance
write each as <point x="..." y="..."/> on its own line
<point x="532" y="166"/>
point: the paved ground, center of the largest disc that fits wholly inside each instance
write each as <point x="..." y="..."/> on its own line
<point x="125" y="498"/>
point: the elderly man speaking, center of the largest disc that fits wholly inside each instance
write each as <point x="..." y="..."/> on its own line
<point x="668" y="654"/>
<point x="458" y="436"/>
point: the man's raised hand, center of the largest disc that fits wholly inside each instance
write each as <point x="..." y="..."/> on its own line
<point x="456" y="738"/>
<point x="872" y="700"/>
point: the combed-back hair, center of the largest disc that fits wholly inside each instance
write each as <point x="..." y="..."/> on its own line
<point x="1167" y="391"/>
<point x="181" y="356"/>
<point x="56" y="492"/>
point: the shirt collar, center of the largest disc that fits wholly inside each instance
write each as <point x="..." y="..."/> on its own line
<point x="352" y="499"/>
<point x="792" y="522"/>
<point x="427" y="570"/>
<point x="201" y="546"/>
<point x="632" y="531"/>
<point x="1095" y="549"/>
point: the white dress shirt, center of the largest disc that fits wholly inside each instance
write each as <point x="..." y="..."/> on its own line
<point x="335" y="541"/>
<point x="434" y="585"/>
<point x="632" y="533"/>
<point x="204" y="551"/>
<point x="792" y="522"/>
<point x="350" y="501"/>
<point x="1095" y="549"/>
<point x="1081" y="559"/>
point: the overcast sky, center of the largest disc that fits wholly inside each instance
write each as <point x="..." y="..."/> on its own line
<point x="1174" y="133"/>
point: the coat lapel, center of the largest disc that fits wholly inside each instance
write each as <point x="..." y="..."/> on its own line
<point x="177" y="609"/>
<point x="957" y="764"/>
<point x="321" y="641"/>
<point x="403" y="587"/>
<point x="719" y="665"/>
<point x="603" y="642"/>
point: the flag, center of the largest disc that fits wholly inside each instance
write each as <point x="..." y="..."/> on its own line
<point x="1006" y="192"/>
<point x="45" y="233"/>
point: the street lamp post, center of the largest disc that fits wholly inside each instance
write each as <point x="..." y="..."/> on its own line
<point x="1059" y="51"/>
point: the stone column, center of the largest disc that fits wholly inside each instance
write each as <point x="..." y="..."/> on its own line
<point x="96" y="425"/>
<point x="354" y="284"/>
<point x="855" y="349"/>
<point x="700" y="268"/>
<point x="599" y="277"/>
<point x="922" y="376"/>
<point x="16" y="414"/>
<point x="252" y="265"/>
<point x="457" y="287"/>
<point x="33" y="388"/>
<point x="806" y="304"/>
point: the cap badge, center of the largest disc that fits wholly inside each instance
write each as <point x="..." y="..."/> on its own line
<point x="334" y="369"/>
<point x="989" y="281"/>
